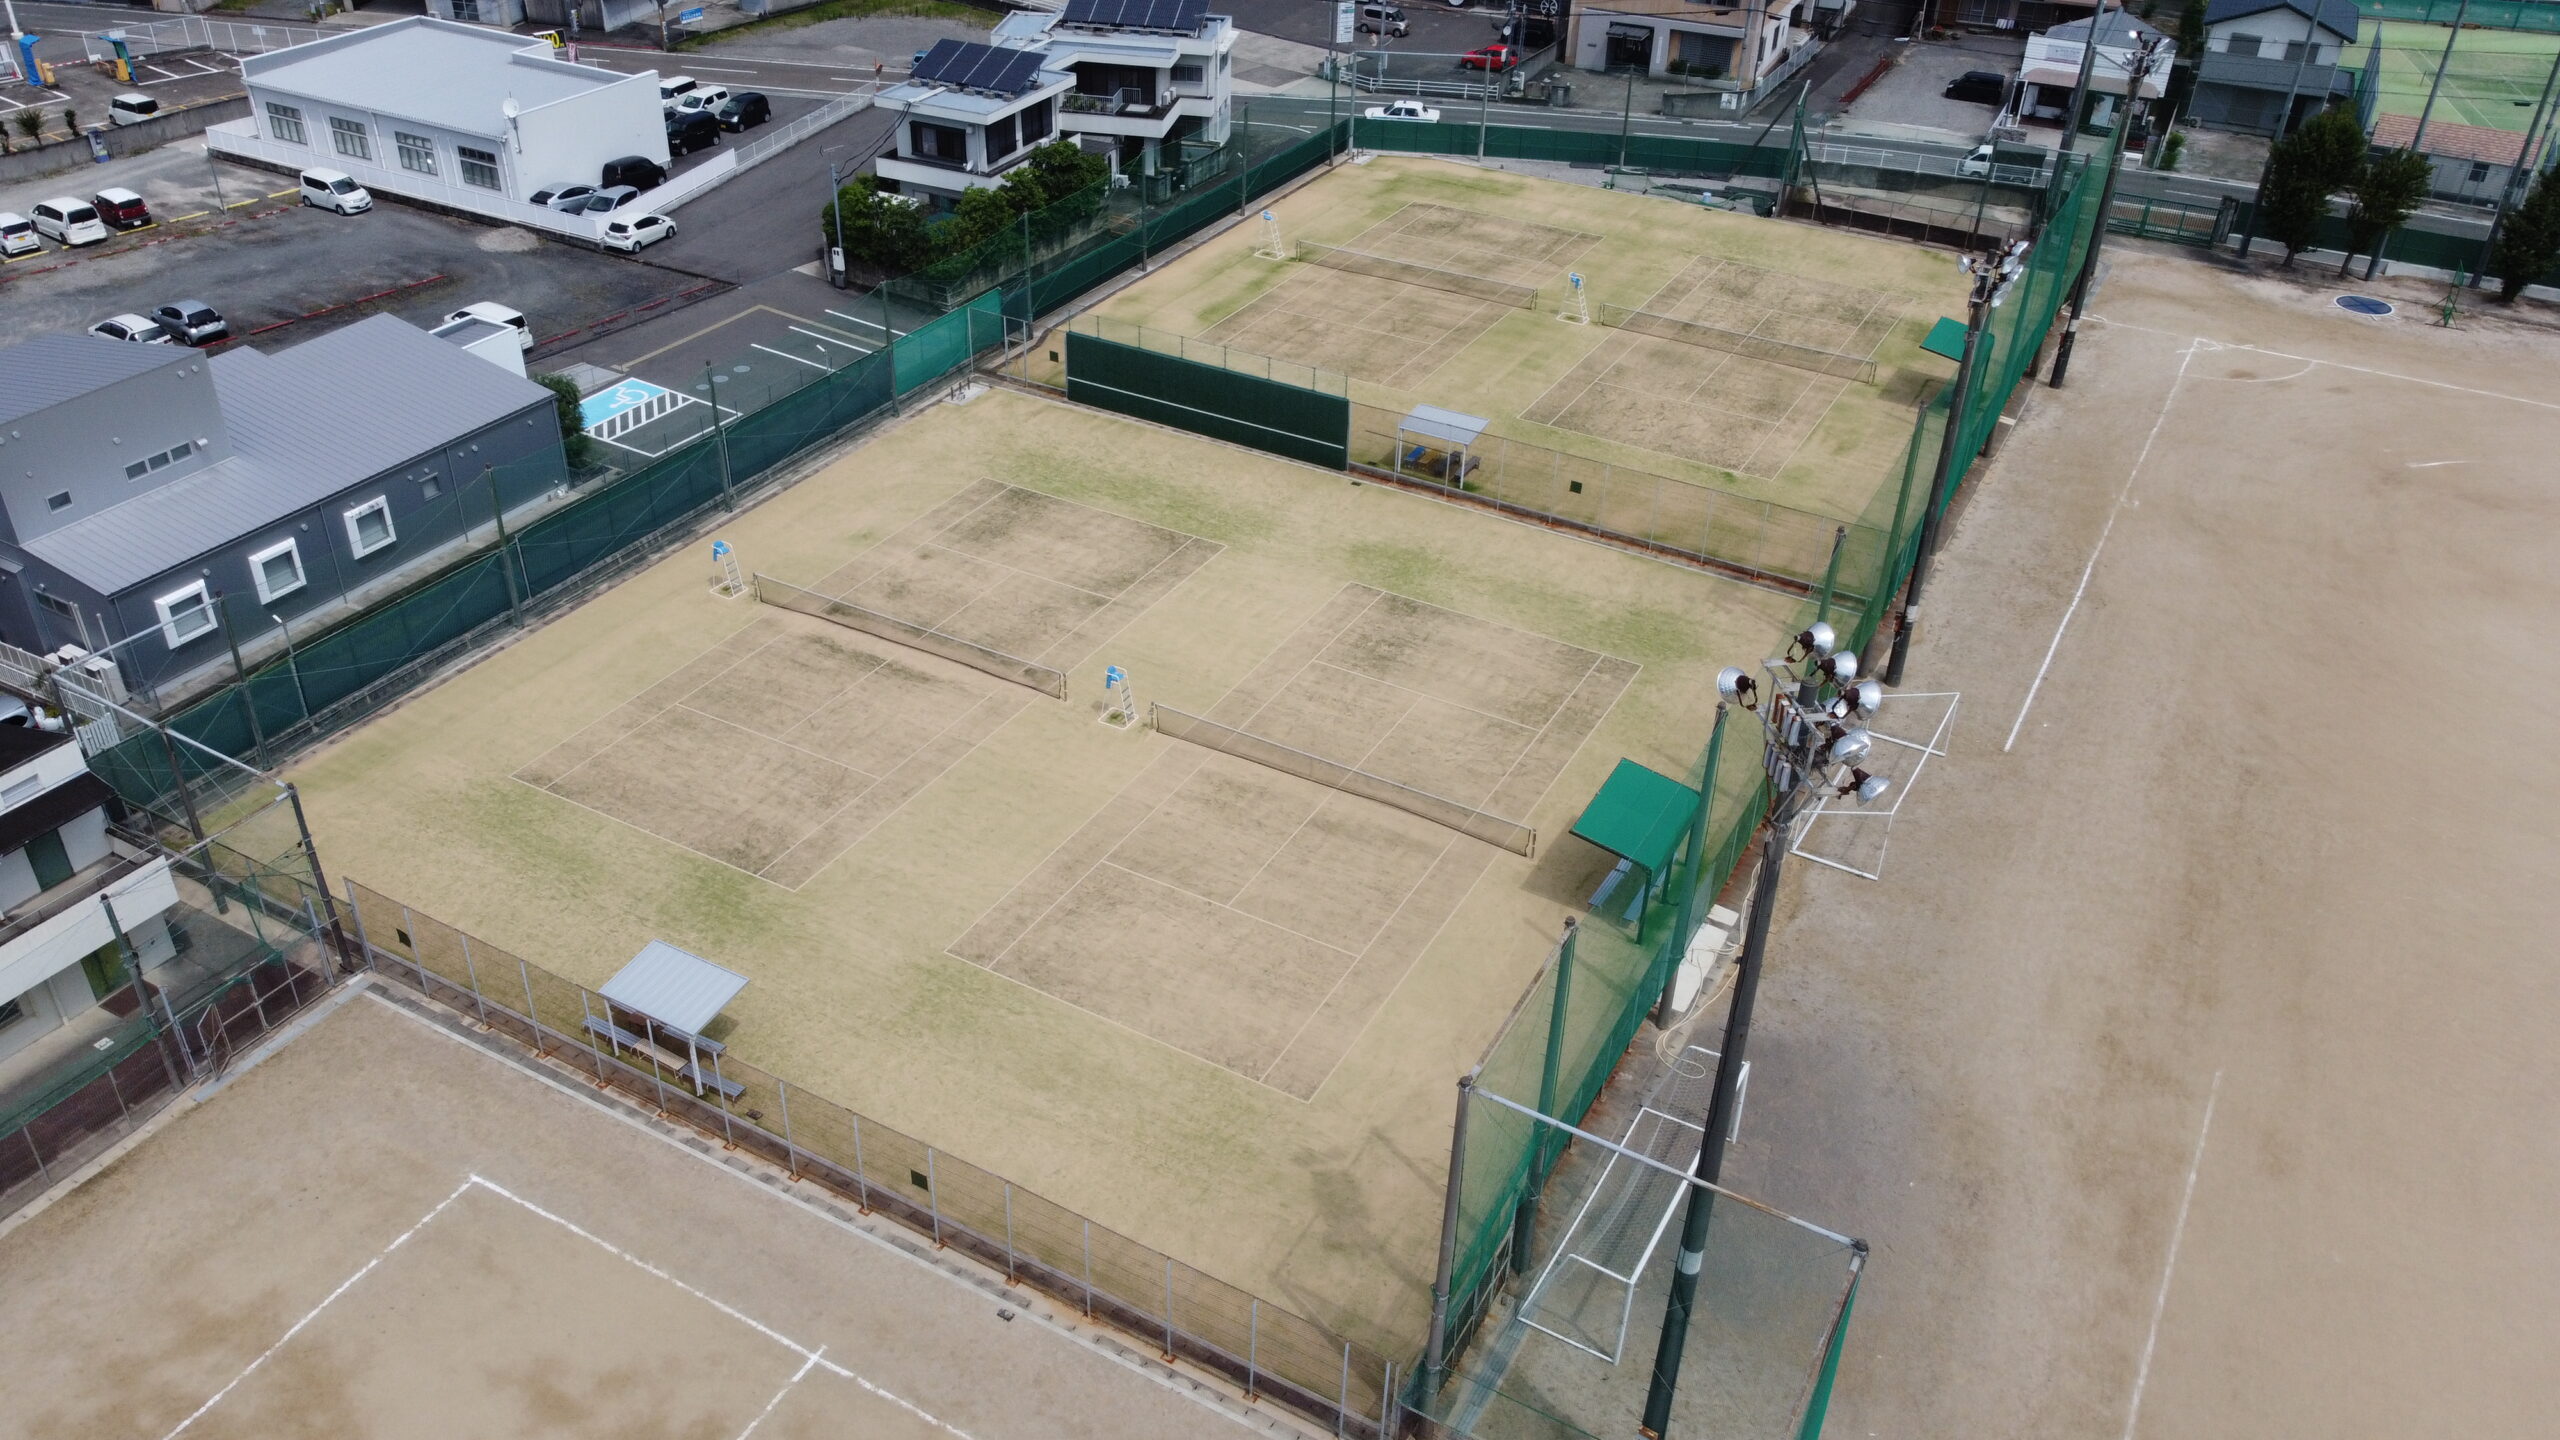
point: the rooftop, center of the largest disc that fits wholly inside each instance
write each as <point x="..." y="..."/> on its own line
<point x="22" y="743"/>
<point x="50" y="369"/>
<point x="2454" y="142"/>
<point x="2119" y="29"/>
<point x="2339" y="16"/>
<point x="422" y="68"/>
<point x="305" y="423"/>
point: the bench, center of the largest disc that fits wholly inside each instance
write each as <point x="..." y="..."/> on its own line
<point x="622" y="1039"/>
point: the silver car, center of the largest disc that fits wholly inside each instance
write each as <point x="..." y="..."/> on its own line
<point x="140" y="329"/>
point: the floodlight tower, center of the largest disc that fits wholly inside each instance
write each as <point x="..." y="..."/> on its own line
<point x="1814" y="747"/>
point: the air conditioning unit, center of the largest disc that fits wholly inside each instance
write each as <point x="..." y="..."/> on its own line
<point x="95" y="674"/>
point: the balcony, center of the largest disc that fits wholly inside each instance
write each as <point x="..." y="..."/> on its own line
<point x="2256" y="72"/>
<point x="120" y="861"/>
<point x="1127" y="101"/>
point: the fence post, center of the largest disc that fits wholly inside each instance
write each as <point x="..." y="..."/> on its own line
<point x="28" y="1134"/>
<point x="1387" y="1404"/>
<point x="1168" y="1309"/>
<point x="532" y="1017"/>
<point x="240" y="668"/>
<point x="1252" y="1346"/>
<point x="586" y="1030"/>
<point x="498" y="512"/>
<point x="1524" y="1223"/>
<point x="933" y="1196"/>
<point x="472" y="971"/>
<point x="788" y="1148"/>
<point x="1088" y="1262"/>
<point x="1008" y="1232"/>
<point x="861" y="1181"/>
<point x="719" y="1087"/>
<point x="364" y="946"/>
<point x="1342" y="1402"/>
<point x="1435" y="1346"/>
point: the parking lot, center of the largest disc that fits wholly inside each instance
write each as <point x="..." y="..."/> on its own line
<point x="264" y="260"/>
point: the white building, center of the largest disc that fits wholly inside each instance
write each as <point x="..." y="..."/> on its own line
<point x="973" y="112"/>
<point x="2052" y="68"/>
<point x="1738" y="46"/>
<point x="446" y="113"/>
<point x="78" y="905"/>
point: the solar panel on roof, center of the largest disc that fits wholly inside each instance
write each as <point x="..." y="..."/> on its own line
<point x="967" y="65"/>
<point x="1178" y="15"/>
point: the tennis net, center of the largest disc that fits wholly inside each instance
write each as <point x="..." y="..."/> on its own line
<point x="1414" y="272"/>
<point x="1465" y="819"/>
<point x="1735" y="342"/>
<point x="1052" y="683"/>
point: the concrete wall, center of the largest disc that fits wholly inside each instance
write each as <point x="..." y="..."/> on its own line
<point x="121" y="140"/>
<point x="83" y="445"/>
<point x="571" y="139"/>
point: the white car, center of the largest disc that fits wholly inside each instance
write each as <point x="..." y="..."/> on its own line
<point x="140" y="329"/>
<point x="69" y="222"/>
<point x="672" y="88"/>
<point x="17" y="236"/>
<point x="494" y="313"/>
<point x="701" y="99"/>
<point x="632" y="234"/>
<point x="1977" y="163"/>
<point x="1402" y="110"/>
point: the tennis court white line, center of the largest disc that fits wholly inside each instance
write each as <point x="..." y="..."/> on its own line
<point x="787" y="355"/>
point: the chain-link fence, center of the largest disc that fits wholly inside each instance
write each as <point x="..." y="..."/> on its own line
<point x="1180" y="1312"/>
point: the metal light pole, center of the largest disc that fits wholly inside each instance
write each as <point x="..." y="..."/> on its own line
<point x="1812" y="752"/>
<point x="2080" y="85"/>
<point x="2140" y="71"/>
<point x="1991" y="274"/>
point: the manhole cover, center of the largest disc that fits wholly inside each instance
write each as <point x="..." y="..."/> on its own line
<point x="2363" y="305"/>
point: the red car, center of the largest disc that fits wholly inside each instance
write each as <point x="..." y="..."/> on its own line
<point x="1492" y="57"/>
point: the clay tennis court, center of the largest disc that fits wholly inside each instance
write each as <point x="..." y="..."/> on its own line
<point x="384" y="1231"/>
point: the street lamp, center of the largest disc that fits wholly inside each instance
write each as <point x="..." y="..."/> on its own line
<point x="1810" y="710"/>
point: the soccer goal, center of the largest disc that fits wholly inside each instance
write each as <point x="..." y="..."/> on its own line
<point x="1586" y="1295"/>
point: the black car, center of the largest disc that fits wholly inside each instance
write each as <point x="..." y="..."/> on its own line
<point x="1982" y="87"/>
<point x="687" y="133"/>
<point x="637" y="171"/>
<point x="743" y="109"/>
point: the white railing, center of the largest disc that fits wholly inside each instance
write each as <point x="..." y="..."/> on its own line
<point x="195" y="32"/>
<point x="241" y="138"/>
<point x="729" y="164"/>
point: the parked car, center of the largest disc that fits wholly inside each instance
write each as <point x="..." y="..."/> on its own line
<point x="1402" y="110"/>
<point x="1383" y="20"/>
<point x="701" y="100"/>
<point x="1976" y="163"/>
<point x="132" y="109"/>
<point x="1982" y="87"/>
<point x="192" y="322"/>
<point x="606" y="200"/>
<point x="335" y="190"/>
<point x="562" y="197"/>
<point x="744" y="109"/>
<point x="631" y="235"/>
<point x="121" y="208"/>
<point x="68" y="221"/>
<point x="672" y="88"/>
<point x="1495" y="58"/>
<point x="17" y="236"/>
<point x="140" y="329"/>
<point x="691" y="130"/>
<point x="497" y="314"/>
<point x="638" y="171"/>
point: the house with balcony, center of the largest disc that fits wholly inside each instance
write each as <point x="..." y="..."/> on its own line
<point x="971" y="113"/>
<point x="1739" y="48"/>
<point x="2269" y="65"/>
<point x="2051" y="70"/>
<point x="80" y="906"/>
<point x="1151" y="76"/>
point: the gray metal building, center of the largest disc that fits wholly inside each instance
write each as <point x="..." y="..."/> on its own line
<point x="143" y="486"/>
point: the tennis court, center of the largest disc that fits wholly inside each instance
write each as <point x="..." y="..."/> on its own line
<point x="2493" y="78"/>
<point x="1269" y="950"/>
<point x="1712" y="350"/>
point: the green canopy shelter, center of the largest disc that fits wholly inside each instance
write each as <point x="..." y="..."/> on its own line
<point x="1641" y="816"/>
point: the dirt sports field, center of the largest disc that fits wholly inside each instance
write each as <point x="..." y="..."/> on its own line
<point x="1200" y="999"/>
<point x="1816" y="419"/>
<point x="2191" y="1064"/>
<point x="485" y="1249"/>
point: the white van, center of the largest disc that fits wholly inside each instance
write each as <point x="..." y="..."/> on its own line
<point x="497" y="314"/>
<point x="17" y="236"/>
<point x="672" y="88"/>
<point x="69" y="221"/>
<point x="132" y="109"/>
<point x="1382" y="20"/>
<point x="702" y="100"/>
<point x="335" y="190"/>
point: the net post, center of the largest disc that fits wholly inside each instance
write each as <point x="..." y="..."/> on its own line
<point x="1342" y="1400"/>
<point x="364" y="946"/>
<point x="1088" y="1269"/>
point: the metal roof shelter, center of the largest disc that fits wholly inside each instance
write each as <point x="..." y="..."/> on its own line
<point x="1639" y="815"/>
<point x="1946" y="338"/>
<point x="1436" y="441"/>
<point x="678" y="992"/>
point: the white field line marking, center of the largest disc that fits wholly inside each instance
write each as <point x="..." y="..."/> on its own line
<point x="2434" y="464"/>
<point x="2177" y="1235"/>
<point x="787" y="355"/>
<point x="796" y="1377"/>
<point x="2185" y="358"/>
<point x="314" y="1312"/>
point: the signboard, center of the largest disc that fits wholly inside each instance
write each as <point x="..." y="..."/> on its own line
<point x="1342" y="22"/>
<point x="687" y="17"/>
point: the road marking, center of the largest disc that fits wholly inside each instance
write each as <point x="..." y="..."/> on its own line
<point x="785" y="354"/>
<point x="2185" y="358"/>
<point x="2177" y="1236"/>
<point x="865" y="349"/>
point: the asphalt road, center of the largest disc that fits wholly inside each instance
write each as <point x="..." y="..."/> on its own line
<point x="1436" y="27"/>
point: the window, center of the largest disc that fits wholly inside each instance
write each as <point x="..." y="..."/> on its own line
<point x="185" y="614"/>
<point x="277" y="571"/>
<point x="940" y="142"/>
<point x="60" y="608"/>
<point x="58" y="500"/>
<point x="2479" y="171"/>
<point x="467" y="11"/>
<point x="1035" y="124"/>
<point x="430" y="488"/>
<point x="285" y="123"/>
<point x="369" y="526"/>
<point x="11" y="1012"/>
<point x="479" y="167"/>
<point x="1186" y="74"/>
<point x="1000" y="138"/>
<point x="351" y="138"/>
<point x="417" y="152"/>
<point x="149" y="463"/>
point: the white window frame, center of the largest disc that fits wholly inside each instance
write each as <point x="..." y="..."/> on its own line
<point x="281" y="118"/>
<point x="355" y="536"/>
<point x="258" y="571"/>
<point x="353" y="138"/>
<point x="170" y="608"/>
<point x="417" y="152"/>
<point x="497" y="177"/>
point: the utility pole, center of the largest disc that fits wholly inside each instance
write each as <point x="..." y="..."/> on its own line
<point x="2140" y="72"/>
<point x="1987" y="280"/>
<point x="1813" y="749"/>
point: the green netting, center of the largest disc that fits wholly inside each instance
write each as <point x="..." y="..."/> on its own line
<point x="1212" y="400"/>
<point x="935" y="349"/>
<point x="2487" y="14"/>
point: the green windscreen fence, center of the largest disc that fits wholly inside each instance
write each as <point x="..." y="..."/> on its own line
<point x="2488" y="14"/>
<point x="1210" y="400"/>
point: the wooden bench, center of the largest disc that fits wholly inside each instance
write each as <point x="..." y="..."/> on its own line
<point x="684" y="1070"/>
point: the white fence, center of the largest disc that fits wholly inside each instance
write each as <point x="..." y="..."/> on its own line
<point x="195" y="32"/>
<point x="1910" y="162"/>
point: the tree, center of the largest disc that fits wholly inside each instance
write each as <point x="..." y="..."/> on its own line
<point x="2333" y="146"/>
<point x="2387" y="191"/>
<point x="2529" y="243"/>
<point x="2303" y="171"/>
<point x="884" y="231"/>
<point x="573" y="421"/>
